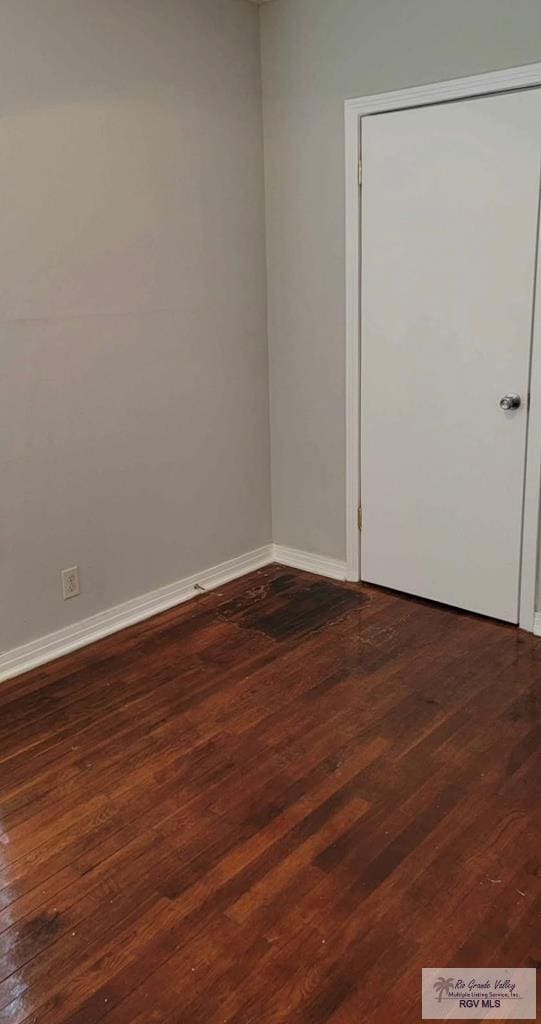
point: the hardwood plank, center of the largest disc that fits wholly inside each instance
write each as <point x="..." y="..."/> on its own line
<point x="262" y="805"/>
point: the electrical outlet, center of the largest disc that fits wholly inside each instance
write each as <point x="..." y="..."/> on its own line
<point x="71" y="586"/>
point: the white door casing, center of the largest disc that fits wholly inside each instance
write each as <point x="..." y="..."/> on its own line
<point x="425" y="535"/>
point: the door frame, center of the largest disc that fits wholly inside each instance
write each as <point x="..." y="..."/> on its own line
<point x="510" y="80"/>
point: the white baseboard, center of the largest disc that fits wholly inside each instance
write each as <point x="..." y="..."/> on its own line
<point x="537" y="624"/>
<point x="71" y="638"/>
<point x="318" y="564"/>
<point x="54" y="645"/>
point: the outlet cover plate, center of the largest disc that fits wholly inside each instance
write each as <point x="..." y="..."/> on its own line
<point x="71" y="586"/>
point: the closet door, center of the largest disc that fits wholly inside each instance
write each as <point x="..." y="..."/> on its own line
<point x="450" y="204"/>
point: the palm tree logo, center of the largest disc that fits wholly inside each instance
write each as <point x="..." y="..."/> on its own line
<point x="443" y="985"/>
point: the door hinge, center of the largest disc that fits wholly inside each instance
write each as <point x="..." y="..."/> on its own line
<point x="360" y="517"/>
<point x="360" y="172"/>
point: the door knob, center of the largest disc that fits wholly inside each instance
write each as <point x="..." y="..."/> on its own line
<point x="510" y="401"/>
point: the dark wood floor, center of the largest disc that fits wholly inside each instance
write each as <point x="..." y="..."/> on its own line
<point x="273" y="804"/>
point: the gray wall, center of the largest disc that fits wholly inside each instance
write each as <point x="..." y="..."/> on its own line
<point x="133" y="365"/>
<point x="133" y="358"/>
<point x="317" y="53"/>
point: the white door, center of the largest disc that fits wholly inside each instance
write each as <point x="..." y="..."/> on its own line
<point x="450" y="203"/>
